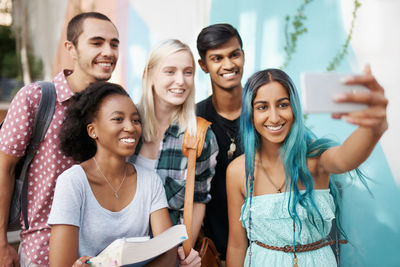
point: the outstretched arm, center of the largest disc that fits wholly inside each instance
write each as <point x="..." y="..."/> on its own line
<point x="237" y="241"/>
<point x="371" y="121"/>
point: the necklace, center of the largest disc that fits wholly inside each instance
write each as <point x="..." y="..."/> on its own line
<point x="108" y="182"/>
<point x="232" y="146"/>
<point x="278" y="189"/>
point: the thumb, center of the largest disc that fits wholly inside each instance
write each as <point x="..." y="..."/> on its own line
<point x="181" y="253"/>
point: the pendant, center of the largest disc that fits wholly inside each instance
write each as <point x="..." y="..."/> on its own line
<point x="295" y="262"/>
<point x="232" y="149"/>
<point x="116" y="195"/>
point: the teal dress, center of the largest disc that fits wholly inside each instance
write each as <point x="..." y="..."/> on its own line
<point x="272" y="225"/>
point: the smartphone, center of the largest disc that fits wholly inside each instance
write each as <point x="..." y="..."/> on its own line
<point x="319" y="89"/>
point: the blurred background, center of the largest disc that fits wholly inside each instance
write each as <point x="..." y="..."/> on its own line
<point x="294" y="35"/>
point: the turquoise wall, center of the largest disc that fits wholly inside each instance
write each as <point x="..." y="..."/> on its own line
<point x="371" y="221"/>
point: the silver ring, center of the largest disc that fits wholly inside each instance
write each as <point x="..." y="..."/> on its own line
<point x="79" y="262"/>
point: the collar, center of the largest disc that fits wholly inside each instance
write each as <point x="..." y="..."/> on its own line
<point x="174" y="130"/>
<point x="63" y="89"/>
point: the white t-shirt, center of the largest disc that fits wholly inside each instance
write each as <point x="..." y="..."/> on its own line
<point x="75" y="204"/>
<point x="147" y="163"/>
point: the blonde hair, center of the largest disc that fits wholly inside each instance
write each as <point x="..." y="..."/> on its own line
<point x="185" y="115"/>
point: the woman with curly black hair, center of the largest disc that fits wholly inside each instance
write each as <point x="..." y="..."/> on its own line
<point x="104" y="197"/>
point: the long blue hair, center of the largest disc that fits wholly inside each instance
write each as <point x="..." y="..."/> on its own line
<point x="299" y="145"/>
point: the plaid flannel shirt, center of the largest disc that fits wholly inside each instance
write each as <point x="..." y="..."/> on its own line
<point x="171" y="166"/>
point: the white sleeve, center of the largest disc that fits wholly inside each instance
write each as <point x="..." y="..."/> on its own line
<point x="68" y="198"/>
<point x="158" y="199"/>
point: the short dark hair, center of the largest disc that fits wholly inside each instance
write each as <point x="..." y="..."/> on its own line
<point x="74" y="138"/>
<point x="75" y="29"/>
<point x="214" y="36"/>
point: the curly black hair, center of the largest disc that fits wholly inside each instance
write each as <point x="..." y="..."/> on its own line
<point x="74" y="139"/>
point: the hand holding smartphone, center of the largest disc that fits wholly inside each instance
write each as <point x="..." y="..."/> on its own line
<point x="320" y="88"/>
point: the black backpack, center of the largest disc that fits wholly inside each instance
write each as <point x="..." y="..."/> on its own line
<point x="44" y="116"/>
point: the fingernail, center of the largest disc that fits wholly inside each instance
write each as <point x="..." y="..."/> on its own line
<point x="347" y="119"/>
<point x="346" y="79"/>
<point x="339" y="97"/>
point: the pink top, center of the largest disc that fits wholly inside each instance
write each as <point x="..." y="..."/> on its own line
<point x="48" y="163"/>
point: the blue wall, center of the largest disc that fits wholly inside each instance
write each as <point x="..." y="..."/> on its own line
<point x="371" y="222"/>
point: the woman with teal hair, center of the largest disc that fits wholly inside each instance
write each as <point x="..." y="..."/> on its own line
<point x="281" y="200"/>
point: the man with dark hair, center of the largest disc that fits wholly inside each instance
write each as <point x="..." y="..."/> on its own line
<point x="222" y="56"/>
<point x="74" y="28"/>
<point x="93" y="45"/>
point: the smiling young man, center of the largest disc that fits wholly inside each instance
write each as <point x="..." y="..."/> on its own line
<point x="222" y="56"/>
<point x="92" y="42"/>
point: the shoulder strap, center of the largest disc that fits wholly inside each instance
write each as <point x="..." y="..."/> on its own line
<point x="196" y="143"/>
<point x="43" y="117"/>
<point x="44" y="113"/>
<point x="192" y="147"/>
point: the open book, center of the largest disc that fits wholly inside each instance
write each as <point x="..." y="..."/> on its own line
<point x="134" y="250"/>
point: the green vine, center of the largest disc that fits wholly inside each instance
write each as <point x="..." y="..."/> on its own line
<point x="298" y="29"/>
<point x="340" y="55"/>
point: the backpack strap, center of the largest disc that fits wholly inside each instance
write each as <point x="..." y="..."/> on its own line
<point x="192" y="147"/>
<point x="44" y="116"/>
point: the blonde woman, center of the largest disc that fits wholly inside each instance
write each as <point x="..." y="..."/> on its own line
<point x="167" y="107"/>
